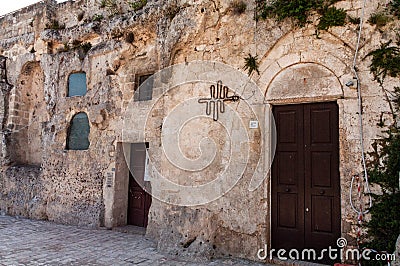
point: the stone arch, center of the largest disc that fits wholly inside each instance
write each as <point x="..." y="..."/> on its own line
<point x="297" y="50"/>
<point x="26" y="115"/>
<point x="303" y="82"/>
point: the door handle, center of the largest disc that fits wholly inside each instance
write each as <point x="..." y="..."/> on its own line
<point x="307" y="210"/>
<point x="287" y="189"/>
<point x="322" y="192"/>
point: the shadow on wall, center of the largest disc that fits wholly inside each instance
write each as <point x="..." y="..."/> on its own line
<point x="26" y="116"/>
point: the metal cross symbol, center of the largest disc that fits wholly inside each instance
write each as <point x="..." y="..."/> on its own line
<point x="216" y="103"/>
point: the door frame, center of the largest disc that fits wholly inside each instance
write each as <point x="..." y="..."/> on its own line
<point x="116" y="187"/>
<point x="142" y="185"/>
<point x="271" y="154"/>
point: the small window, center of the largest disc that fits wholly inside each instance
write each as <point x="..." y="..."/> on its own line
<point x="144" y="91"/>
<point x="78" y="133"/>
<point x="77" y="84"/>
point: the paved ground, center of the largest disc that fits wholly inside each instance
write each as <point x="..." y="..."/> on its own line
<point x="27" y="242"/>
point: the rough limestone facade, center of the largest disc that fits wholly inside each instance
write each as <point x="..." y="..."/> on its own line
<point x="41" y="179"/>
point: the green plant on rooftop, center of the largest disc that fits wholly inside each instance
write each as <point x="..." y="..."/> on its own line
<point x="137" y="5"/>
<point x="110" y="5"/>
<point x="298" y="10"/>
<point x="107" y="3"/>
<point x="331" y="16"/>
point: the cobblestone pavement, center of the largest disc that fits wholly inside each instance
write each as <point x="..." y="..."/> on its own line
<point x="28" y="242"/>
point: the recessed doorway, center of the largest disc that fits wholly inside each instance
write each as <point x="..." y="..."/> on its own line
<point x="139" y="200"/>
<point x="305" y="177"/>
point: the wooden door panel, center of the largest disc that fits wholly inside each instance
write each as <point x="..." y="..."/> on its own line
<point x="305" y="177"/>
<point x="287" y="180"/>
<point x="287" y="162"/>
<point x="320" y="126"/>
<point x="321" y="214"/>
<point x="288" y="217"/>
<point x="321" y="163"/>
<point x="136" y="203"/>
<point x="139" y="200"/>
<point x="288" y="232"/>
<point x="322" y="184"/>
<point x="287" y="123"/>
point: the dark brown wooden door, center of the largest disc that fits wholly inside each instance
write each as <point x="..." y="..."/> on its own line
<point x="139" y="200"/>
<point x="305" y="177"/>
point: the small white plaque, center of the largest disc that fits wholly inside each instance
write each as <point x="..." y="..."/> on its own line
<point x="253" y="124"/>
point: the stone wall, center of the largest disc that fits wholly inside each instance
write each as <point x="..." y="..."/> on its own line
<point x="41" y="179"/>
<point x="23" y="192"/>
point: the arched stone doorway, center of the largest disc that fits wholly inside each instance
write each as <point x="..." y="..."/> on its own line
<point x="26" y="114"/>
<point x="305" y="179"/>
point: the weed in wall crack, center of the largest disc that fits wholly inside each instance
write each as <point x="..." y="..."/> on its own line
<point x="251" y="64"/>
<point x="137" y="5"/>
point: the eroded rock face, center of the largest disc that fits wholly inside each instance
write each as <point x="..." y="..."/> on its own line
<point x="43" y="44"/>
<point x="23" y="192"/>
